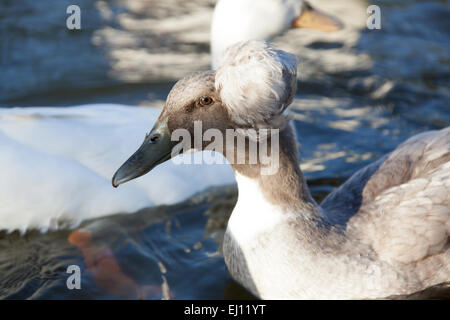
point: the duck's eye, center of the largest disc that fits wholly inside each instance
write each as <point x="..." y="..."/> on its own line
<point x="154" y="138"/>
<point x="205" y="101"/>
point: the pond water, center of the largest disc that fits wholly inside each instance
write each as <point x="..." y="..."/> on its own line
<point x="361" y="92"/>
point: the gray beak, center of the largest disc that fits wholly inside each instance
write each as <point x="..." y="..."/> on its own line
<point x="156" y="148"/>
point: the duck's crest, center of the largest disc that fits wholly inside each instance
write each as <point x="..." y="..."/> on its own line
<point x="256" y="82"/>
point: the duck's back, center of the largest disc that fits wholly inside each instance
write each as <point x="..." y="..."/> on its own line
<point x="400" y="206"/>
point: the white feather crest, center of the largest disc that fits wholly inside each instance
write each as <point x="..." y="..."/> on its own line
<point x="256" y="82"/>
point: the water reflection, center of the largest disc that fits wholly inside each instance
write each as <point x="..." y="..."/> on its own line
<point x="158" y="253"/>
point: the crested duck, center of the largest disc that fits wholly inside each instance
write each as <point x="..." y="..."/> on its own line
<point x="383" y="233"/>
<point x="58" y="160"/>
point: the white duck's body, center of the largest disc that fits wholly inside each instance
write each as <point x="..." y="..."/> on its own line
<point x="57" y="161"/>
<point x="385" y="232"/>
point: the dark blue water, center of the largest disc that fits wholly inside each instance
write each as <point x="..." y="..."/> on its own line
<point x="344" y="117"/>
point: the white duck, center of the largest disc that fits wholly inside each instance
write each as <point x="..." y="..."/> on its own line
<point x="384" y="232"/>
<point x="240" y="20"/>
<point x="57" y="161"/>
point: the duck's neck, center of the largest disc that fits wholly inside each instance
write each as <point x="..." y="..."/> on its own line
<point x="267" y="200"/>
<point x="269" y="207"/>
<point x="283" y="186"/>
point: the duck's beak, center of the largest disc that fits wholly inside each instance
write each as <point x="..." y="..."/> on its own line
<point x="156" y="148"/>
<point x="314" y="19"/>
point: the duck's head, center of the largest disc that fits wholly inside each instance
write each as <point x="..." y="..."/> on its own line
<point x="241" y="20"/>
<point x="250" y="90"/>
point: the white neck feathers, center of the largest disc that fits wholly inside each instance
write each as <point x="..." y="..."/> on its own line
<point x="253" y="214"/>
